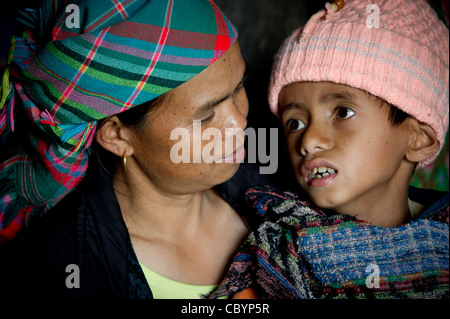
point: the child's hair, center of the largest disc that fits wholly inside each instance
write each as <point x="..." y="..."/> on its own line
<point x="396" y="116"/>
<point x="396" y="50"/>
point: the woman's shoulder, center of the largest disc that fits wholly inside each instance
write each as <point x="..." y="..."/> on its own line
<point x="82" y="235"/>
<point x="36" y="261"/>
<point x="53" y="227"/>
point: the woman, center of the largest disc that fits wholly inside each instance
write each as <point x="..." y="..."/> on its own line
<point x="153" y="224"/>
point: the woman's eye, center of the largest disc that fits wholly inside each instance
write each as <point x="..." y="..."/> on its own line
<point x="209" y="118"/>
<point x="239" y="88"/>
<point x="294" y="125"/>
<point x="344" y="113"/>
<point x="241" y="84"/>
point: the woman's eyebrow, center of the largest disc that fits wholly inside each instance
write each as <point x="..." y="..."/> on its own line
<point x="207" y="106"/>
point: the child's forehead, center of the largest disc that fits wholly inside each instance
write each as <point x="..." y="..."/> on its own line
<point x="321" y="92"/>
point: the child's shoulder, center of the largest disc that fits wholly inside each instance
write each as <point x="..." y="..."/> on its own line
<point x="294" y="208"/>
<point x="264" y="198"/>
<point x="435" y="203"/>
<point x="273" y="205"/>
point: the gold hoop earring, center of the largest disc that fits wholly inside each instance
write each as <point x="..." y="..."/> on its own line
<point x="125" y="162"/>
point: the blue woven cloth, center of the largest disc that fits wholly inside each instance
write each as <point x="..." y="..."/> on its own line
<point x="300" y="251"/>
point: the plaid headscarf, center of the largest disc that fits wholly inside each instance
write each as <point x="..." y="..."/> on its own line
<point x="61" y="79"/>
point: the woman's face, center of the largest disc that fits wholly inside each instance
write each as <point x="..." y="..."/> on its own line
<point x="216" y="100"/>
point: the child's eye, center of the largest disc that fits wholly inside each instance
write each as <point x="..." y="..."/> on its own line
<point x="344" y="113"/>
<point x="294" y="125"/>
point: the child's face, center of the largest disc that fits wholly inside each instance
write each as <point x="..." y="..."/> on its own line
<point x="345" y="134"/>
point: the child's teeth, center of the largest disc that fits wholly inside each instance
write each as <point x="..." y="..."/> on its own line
<point x="320" y="172"/>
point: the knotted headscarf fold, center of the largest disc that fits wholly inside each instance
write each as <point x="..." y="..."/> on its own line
<point x="81" y="61"/>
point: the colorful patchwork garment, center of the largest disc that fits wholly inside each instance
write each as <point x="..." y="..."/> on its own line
<point x="81" y="61"/>
<point x="300" y="251"/>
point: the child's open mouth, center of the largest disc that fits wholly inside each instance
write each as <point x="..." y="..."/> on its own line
<point x="321" y="172"/>
<point x="321" y="176"/>
<point x="318" y="172"/>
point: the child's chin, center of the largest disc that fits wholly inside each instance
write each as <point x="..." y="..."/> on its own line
<point x="323" y="202"/>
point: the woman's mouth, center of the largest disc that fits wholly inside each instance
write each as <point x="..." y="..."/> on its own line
<point x="236" y="157"/>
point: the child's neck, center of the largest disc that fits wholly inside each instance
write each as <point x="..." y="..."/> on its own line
<point x="390" y="213"/>
<point x="388" y="209"/>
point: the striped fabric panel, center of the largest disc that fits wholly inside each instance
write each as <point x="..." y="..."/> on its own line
<point x="161" y="42"/>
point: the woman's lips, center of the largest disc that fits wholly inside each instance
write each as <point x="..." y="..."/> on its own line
<point x="236" y="157"/>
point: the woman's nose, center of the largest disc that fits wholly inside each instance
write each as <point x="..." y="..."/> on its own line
<point x="239" y="110"/>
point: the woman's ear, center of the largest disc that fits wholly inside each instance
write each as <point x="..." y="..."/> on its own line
<point x="423" y="142"/>
<point x="115" y="137"/>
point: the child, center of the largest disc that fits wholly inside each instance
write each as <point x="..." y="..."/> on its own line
<point x="362" y="92"/>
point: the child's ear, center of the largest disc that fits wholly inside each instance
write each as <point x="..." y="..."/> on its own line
<point x="423" y="142"/>
<point x="114" y="137"/>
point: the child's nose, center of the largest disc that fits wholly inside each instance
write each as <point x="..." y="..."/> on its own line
<point x="315" y="139"/>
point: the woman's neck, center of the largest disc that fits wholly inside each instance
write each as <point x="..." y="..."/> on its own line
<point x="185" y="237"/>
<point x="147" y="206"/>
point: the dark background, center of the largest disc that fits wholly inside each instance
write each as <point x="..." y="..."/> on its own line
<point x="262" y="26"/>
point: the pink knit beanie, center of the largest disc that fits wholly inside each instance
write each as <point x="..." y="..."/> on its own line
<point x="397" y="50"/>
